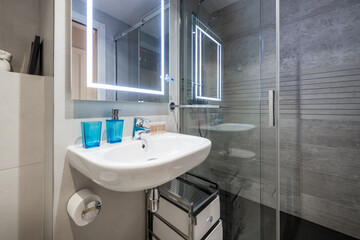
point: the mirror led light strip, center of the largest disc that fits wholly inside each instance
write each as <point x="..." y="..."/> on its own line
<point x="89" y="43"/>
<point x="198" y="65"/>
<point x="89" y="56"/>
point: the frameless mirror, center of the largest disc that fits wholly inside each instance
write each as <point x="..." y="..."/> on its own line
<point x="207" y="63"/>
<point x="120" y="50"/>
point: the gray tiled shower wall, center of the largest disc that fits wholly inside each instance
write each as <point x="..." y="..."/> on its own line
<point x="319" y="107"/>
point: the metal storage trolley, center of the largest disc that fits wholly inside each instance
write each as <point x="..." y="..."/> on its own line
<point x="189" y="209"/>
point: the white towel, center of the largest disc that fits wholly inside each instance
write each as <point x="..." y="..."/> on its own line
<point x="5" y="55"/>
<point x="5" y="60"/>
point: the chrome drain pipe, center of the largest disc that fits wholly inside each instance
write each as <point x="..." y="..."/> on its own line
<point x="153" y="199"/>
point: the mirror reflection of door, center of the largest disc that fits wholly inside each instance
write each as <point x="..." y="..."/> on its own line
<point x="79" y="83"/>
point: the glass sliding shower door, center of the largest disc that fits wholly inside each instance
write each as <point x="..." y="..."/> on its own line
<point x="229" y="60"/>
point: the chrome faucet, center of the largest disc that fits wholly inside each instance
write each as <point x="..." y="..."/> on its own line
<point x="139" y="127"/>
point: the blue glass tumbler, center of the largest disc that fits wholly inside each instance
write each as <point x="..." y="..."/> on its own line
<point x="91" y="134"/>
<point x="114" y="130"/>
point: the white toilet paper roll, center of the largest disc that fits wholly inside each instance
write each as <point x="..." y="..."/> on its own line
<point x="83" y="207"/>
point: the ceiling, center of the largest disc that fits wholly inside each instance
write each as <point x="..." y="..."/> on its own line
<point x="215" y="5"/>
<point x="128" y="11"/>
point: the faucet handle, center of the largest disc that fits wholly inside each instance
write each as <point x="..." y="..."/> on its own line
<point x="139" y="121"/>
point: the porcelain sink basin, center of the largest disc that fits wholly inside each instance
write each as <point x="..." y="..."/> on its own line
<point x="135" y="165"/>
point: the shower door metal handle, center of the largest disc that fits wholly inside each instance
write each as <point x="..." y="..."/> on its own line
<point x="271" y="108"/>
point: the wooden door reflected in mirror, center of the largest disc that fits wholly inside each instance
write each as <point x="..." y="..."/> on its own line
<point x="78" y="85"/>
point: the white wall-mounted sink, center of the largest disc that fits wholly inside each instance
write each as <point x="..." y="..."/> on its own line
<point x="135" y="165"/>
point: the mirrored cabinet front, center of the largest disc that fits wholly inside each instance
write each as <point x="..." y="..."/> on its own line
<point x="120" y="50"/>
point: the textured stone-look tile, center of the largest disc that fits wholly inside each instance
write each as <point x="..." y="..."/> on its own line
<point x="331" y="39"/>
<point x="340" y="161"/>
<point x="290" y="11"/>
<point x="290" y="48"/>
<point x="239" y="19"/>
<point x="343" y="218"/>
<point x="268" y="56"/>
<point x="268" y="13"/>
<point x="246" y="67"/>
<point x="311" y="8"/>
<point x="290" y="190"/>
<point x="21" y="198"/>
<point x="331" y="187"/>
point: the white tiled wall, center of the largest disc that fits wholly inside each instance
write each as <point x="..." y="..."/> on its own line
<point x="22" y="119"/>
<point x="21" y="198"/>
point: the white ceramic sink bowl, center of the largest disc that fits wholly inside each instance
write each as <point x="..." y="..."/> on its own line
<point x="135" y="165"/>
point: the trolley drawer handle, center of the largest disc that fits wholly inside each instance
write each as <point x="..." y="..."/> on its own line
<point x="210" y="219"/>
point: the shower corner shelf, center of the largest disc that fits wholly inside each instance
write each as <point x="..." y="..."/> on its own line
<point x="189" y="209"/>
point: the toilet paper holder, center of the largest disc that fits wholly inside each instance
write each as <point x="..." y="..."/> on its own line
<point x="83" y="207"/>
<point x="91" y="211"/>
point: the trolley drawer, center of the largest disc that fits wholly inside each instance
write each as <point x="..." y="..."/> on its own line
<point x="216" y="233"/>
<point x="162" y="231"/>
<point x="181" y="220"/>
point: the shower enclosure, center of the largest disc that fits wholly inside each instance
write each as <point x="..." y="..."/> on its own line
<point x="284" y="127"/>
<point x="229" y="62"/>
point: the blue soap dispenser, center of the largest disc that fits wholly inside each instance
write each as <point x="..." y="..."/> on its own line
<point x="114" y="127"/>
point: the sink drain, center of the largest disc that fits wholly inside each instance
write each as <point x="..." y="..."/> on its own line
<point x="151" y="159"/>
